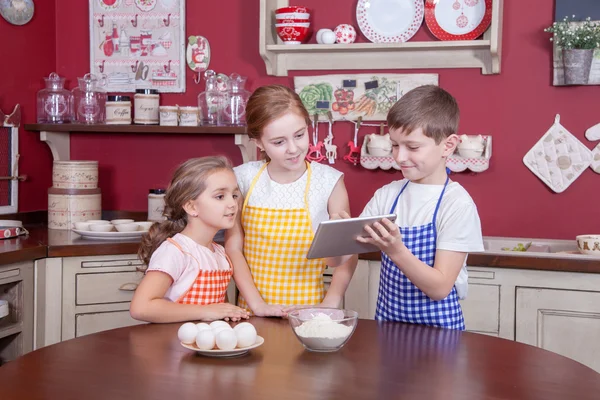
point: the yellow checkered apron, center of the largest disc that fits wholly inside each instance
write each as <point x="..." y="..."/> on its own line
<point x="275" y="245"/>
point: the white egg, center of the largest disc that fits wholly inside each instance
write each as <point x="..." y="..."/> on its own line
<point x="202" y="326"/>
<point x="205" y="340"/>
<point x="187" y="333"/>
<point x="216" y="330"/>
<point x="246" y="336"/>
<point x="241" y="325"/>
<point x="215" y="324"/>
<point x="226" y="339"/>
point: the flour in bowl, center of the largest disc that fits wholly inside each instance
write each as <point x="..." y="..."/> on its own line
<point x="323" y="332"/>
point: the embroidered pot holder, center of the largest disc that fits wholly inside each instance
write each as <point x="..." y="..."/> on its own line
<point x="558" y="158"/>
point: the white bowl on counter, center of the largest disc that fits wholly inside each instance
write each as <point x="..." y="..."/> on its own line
<point x="97" y="221"/>
<point x="127" y="227"/>
<point x="470" y="152"/>
<point x="589" y="244"/>
<point x="82" y="226"/>
<point x="101" y="227"/>
<point x="145" y="225"/>
<point x="121" y="221"/>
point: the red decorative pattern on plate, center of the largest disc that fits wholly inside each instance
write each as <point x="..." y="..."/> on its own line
<point x="371" y="33"/>
<point x="461" y="21"/>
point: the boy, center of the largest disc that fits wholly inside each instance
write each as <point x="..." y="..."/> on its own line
<point x="423" y="263"/>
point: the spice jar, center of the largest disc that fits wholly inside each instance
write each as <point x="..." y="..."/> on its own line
<point x="118" y="110"/>
<point x="146" y="103"/>
<point x="156" y="204"/>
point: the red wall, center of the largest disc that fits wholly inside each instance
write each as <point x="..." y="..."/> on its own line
<point x="516" y="107"/>
<point x="26" y="55"/>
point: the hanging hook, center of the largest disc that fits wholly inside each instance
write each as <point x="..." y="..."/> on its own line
<point x="101" y="21"/>
<point x="381" y="128"/>
<point x="135" y="67"/>
<point x="167" y="67"/>
<point x="197" y="78"/>
<point x="101" y="66"/>
<point x="134" y="21"/>
<point x="167" y="21"/>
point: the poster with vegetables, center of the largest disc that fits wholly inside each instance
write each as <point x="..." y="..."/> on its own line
<point x="369" y="96"/>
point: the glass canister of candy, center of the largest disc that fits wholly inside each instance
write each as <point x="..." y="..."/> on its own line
<point x="211" y="101"/>
<point x="90" y="100"/>
<point x="234" y="110"/>
<point x="54" y="103"/>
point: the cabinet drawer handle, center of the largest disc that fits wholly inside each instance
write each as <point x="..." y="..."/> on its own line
<point x="129" y="287"/>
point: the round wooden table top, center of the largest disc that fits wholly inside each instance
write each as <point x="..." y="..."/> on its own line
<point x="381" y="361"/>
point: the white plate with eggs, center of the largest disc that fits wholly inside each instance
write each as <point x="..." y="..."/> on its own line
<point x="219" y="339"/>
<point x="224" y="353"/>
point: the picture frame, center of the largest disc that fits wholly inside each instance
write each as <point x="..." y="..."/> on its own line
<point x="138" y="44"/>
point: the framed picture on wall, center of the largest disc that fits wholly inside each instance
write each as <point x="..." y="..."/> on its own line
<point x="138" y="44"/>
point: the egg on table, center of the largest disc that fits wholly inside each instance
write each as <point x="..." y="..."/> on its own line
<point x="202" y="326"/>
<point x="226" y="339"/>
<point x="187" y="333"/>
<point x="218" y="323"/>
<point x="205" y="340"/>
<point x="246" y="336"/>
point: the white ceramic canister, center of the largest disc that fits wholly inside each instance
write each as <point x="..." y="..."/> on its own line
<point x="188" y="116"/>
<point x="156" y="204"/>
<point x="67" y="206"/>
<point x="118" y="110"/>
<point x="75" y="174"/>
<point x="146" y="106"/>
<point x="169" y="115"/>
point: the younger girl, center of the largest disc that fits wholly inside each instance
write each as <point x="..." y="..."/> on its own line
<point x="188" y="274"/>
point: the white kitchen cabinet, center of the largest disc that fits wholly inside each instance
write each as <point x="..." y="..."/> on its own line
<point x="16" y="328"/>
<point x="566" y="322"/>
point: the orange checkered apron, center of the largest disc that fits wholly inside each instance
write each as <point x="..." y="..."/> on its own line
<point x="209" y="287"/>
<point x="275" y="245"/>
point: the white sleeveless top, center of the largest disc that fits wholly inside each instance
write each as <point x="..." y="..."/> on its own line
<point x="270" y="194"/>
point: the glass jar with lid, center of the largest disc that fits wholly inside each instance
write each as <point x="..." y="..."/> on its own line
<point x="90" y="100"/>
<point x="146" y="104"/>
<point x="118" y="110"/>
<point x="236" y="97"/>
<point x="54" y="103"/>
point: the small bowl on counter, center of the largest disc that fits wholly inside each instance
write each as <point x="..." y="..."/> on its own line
<point x="101" y="227"/>
<point x="127" y="227"/>
<point x="121" y="221"/>
<point x="323" y="329"/>
<point x="589" y="244"/>
<point x="145" y="225"/>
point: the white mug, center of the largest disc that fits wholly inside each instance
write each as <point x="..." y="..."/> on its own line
<point x="188" y="116"/>
<point x="168" y="115"/>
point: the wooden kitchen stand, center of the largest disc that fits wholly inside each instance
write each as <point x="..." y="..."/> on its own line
<point x="57" y="136"/>
<point x="484" y="53"/>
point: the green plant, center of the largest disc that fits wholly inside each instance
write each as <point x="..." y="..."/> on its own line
<point x="570" y="34"/>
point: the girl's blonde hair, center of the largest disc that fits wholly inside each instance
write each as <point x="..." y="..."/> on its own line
<point x="268" y="103"/>
<point x="189" y="181"/>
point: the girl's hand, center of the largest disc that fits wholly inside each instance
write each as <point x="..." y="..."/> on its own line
<point x="225" y="311"/>
<point x="385" y="235"/>
<point x="268" y="310"/>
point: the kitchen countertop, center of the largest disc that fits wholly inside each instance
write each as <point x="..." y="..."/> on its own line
<point x="42" y="243"/>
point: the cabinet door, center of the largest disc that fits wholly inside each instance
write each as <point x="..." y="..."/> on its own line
<point x="481" y="308"/>
<point x="86" y="324"/>
<point x="566" y="322"/>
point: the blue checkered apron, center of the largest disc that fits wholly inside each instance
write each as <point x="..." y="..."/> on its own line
<point x="399" y="299"/>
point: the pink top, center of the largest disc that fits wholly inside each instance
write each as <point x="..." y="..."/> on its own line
<point x="182" y="267"/>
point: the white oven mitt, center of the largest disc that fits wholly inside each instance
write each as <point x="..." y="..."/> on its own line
<point x="558" y="158"/>
<point x="593" y="133"/>
<point x="596" y="159"/>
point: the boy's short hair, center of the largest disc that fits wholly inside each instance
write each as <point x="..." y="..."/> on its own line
<point x="428" y="107"/>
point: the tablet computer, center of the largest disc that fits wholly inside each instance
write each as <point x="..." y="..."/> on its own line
<point x="337" y="237"/>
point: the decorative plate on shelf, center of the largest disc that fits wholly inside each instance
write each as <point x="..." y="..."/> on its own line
<point x="225" y="353"/>
<point x="389" y="21"/>
<point x="458" y="19"/>
<point x="109" y="235"/>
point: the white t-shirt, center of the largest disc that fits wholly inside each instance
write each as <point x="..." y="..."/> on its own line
<point x="458" y="225"/>
<point x="270" y="194"/>
<point x="184" y="268"/>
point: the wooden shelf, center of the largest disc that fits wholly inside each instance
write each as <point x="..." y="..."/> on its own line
<point x="146" y="129"/>
<point x="280" y="58"/>
<point x="10" y="329"/>
<point x="57" y="136"/>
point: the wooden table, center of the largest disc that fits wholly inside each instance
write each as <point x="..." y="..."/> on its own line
<point x="381" y="361"/>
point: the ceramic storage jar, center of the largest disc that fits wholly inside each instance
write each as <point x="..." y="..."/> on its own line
<point x="67" y="206"/>
<point x="75" y="175"/>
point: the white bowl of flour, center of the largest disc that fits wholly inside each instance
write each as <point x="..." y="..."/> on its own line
<point x="323" y="329"/>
